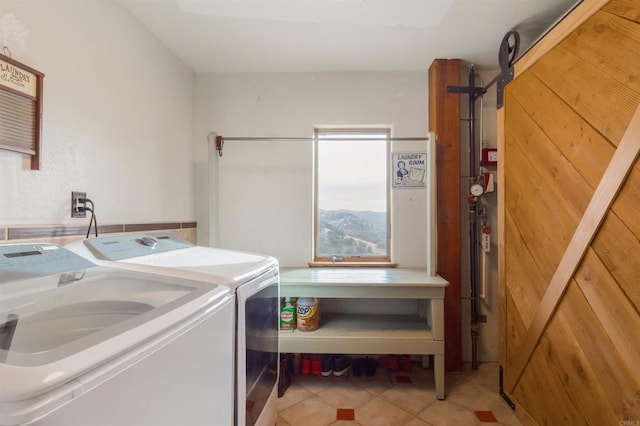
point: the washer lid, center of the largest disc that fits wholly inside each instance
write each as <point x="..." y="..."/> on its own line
<point x="227" y="267"/>
<point x="55" y="327"/>
<point x="181" y="259"/>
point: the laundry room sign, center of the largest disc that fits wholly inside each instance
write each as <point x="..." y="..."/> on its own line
<point x="409" y="170"/>
<point x="20" y="109"/>
<point x="16" y="78"/>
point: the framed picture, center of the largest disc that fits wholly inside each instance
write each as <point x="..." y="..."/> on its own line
<point x="409" y="169"/>
<point x="20" y="109"/>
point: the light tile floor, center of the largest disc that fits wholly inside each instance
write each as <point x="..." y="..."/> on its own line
<point x="382" y="400"/>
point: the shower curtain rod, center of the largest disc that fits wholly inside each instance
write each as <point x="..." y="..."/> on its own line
<point x="220" y="140"/>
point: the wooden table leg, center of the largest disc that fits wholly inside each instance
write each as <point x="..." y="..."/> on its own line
<point x="438" y="372"/>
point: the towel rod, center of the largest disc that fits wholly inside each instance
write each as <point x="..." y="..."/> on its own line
<point x="285" y="138"/>
<point x="220" y="140"/>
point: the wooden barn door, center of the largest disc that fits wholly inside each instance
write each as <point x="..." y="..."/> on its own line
<point x="569" y="138"/>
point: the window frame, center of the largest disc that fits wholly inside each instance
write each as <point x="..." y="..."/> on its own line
<point x="351" y="260"/>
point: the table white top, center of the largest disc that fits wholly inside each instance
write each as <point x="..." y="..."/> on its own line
<point x="360" y="276"/>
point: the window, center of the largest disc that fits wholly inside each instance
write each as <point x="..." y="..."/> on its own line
<point x="351" y="195"/>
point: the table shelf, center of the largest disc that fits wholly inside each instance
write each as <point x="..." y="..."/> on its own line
<point x="364" y="334"/>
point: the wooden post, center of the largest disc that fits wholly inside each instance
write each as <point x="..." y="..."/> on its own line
<point x="444" y="121"/>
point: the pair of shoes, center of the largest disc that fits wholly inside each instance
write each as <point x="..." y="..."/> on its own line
<point x="370" y="366"/>
<point x="404" y="363"/>
<point x="364" y="365"/>
<point x="305" y="365"/>
<point x="358" y="367"/>
<point x="328" y="364"/>
<point x="338" y="365"/>
<point x="316" y="366"/>
<point x="342" y="365"/>
<point x="389" y="362"/>
<point x="311" y="365"/>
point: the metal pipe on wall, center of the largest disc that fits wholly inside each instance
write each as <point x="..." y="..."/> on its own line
<point x="475" y="92"/>
<point x="473" y="222"/>
<point x="484" y="253"/>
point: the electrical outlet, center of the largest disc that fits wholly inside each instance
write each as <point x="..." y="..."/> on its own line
<point x="75" y="204"/>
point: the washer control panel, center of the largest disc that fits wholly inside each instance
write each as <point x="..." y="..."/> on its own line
<point x="128" y="246"/>
<point x="39" y="260"/>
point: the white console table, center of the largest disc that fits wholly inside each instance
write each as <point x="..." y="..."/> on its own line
<point x="346" y="333"/>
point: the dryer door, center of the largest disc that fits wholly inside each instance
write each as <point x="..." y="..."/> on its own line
<point x="257" y="337"/>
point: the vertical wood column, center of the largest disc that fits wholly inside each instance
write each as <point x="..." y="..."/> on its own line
<point x="444" y="120"/>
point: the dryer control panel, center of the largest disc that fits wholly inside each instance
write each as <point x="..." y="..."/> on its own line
<point x="128" y="246"/>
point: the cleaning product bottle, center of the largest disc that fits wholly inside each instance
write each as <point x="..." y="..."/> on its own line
<point x="307" y="313"/>
<point x="288" y="315"/>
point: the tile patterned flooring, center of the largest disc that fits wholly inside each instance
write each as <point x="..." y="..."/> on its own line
<point x="384" y="399"/>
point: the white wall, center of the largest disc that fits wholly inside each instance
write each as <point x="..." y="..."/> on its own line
<point x="265" y="188"/>
<point x="117" y="121"/>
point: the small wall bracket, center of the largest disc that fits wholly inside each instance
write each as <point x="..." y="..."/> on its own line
<point x="219" y="144"/>
<point x="474" y="92"/>
<point x="504" y="395"/>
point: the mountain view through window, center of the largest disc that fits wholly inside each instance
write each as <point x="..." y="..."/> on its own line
<point x="352" y="195"/>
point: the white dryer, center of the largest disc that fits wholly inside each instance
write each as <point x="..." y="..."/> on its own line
<point x="253" y="278"/>
<point x="82" y="344"/>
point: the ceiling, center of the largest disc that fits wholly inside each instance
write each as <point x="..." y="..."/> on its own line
<point x="340" y="35"/>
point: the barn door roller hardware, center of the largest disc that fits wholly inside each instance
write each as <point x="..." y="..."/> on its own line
<point x="506" y="58"/>
<point x="507" y="55"/>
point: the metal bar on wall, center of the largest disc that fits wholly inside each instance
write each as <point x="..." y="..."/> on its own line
<point x="253" y="138"/>
<point x="220" y="140"/>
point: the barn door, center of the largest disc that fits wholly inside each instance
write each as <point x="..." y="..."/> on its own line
<point x="570" y="222"/>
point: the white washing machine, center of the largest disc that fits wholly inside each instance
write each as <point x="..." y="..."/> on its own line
<point x="253" y="278"/>
<point x="82" y="344"/>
